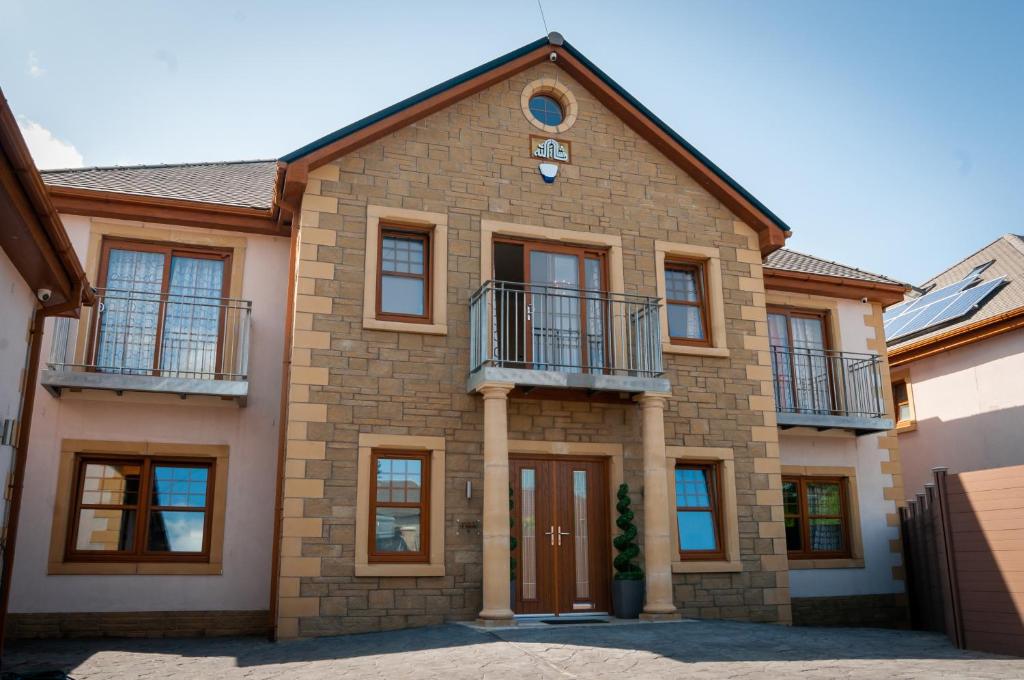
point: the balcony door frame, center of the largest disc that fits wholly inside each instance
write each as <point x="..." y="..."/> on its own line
<point x="824" y="317"/>
<point x="582" y="253"/>
<point x="169" y="250"/>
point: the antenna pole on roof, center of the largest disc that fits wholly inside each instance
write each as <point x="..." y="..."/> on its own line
<point x="543" y="20"/>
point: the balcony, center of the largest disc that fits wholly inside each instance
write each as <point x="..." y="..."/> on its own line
<point x="825" y="389"/>
<point x="550" y="336"/>
<point x="136" y="341"/>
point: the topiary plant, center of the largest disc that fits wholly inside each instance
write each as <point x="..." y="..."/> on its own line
<point x="625" y="567"/>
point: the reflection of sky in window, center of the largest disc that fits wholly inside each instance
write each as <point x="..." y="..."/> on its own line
<point x="181" y="487"/>
<point x="696" y="531"/>
<point x="182" y="531"/>
<point x="696" y="528"/>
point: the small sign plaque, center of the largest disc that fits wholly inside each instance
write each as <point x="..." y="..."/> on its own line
<point x="550" y="149"/>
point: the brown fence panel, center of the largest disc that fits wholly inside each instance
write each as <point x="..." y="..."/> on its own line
<point x="963" y="545"/>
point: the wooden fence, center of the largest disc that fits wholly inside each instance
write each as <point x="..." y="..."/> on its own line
<point x="963" y="547"/>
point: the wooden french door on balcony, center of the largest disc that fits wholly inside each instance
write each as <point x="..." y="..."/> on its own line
<point x="803" y="377"/>
<point x="560" y="523"/>
<point x="563" y="311"/>
<point x="160" y="310"/>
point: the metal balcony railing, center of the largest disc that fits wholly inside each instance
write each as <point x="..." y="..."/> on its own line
<point x="828" y="383"/>
<point x="553" y="328"/>
<point x="166" y="335"/>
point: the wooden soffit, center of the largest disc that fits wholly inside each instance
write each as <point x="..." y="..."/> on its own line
<point x="770" y="235"/>
<point x="833" y="286"/>
<point x="73" y="201"/>
<point x="32" y="234"/>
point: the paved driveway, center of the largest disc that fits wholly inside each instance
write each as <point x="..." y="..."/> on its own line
<point x="625" y="652"/>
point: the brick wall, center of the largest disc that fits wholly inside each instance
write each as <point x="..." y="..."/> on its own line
<point x="138" y="624"/>
<point x="471" y="162"/>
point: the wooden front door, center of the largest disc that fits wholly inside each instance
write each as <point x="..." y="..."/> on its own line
<point x="560" y="523"/>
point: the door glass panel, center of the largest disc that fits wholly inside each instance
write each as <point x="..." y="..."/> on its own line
<point x="528" y="532"/>
<point x="778" y="336"/>
<point x="810" y="367"/>
<point x="193" y="317"/>
<point x="557" y="342"/>
<point x="129" y="312"/>
<point x="596" y="312"/>
<point x="581" y="531"/>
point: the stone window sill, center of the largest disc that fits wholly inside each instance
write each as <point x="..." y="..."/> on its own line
<point x="707" y="567"/>
<point x="907" y="426"/>
<point x="854" y="563"/>
<point x="396" y="569"/>
<point x="718" y="352"/>
<point x="405" y="327"/>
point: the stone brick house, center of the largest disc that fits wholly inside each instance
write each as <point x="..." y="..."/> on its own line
<point x="518" y="286"/>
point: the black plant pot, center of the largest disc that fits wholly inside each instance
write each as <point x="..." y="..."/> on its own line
<point x="627" y="598"/>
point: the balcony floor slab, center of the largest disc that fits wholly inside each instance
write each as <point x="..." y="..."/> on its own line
<point x="820" y="421"/>
<point x="574" y="381"/>
<point x="56" y="381"/>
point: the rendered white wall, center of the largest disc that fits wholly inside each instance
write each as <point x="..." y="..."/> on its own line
<point x="250" y="432"/>
<point x="17" y="301"/>
<point x="833" y="449"/>
<point x="969" y="405"/>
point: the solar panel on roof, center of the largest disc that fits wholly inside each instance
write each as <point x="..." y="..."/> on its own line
<point x="970" y="299"/>
<point x="929" y="298"/>
<point x="946" y="304"/>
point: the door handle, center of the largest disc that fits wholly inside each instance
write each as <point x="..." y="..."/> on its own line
<point x="561" y="533"/>
<point x="551" y="532"/>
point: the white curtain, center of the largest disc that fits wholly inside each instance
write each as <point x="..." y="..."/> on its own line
<point x="129" y="312"/>
<point x="189" y="347"/>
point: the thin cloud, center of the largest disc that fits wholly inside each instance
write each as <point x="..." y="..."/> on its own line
<point x="169" y="59"/>
<point x="47" y="151"/>
<point x="35" y="69"/>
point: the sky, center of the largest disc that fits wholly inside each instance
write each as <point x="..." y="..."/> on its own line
<point x="886" y="134"/>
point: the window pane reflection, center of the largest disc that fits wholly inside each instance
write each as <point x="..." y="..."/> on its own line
<point x="398" y="530"/>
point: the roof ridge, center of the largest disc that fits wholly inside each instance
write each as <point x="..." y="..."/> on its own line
<point x="149" y="166"/>
<point x="840" y="264"/>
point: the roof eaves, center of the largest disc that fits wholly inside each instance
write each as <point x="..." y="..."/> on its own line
<point x="495" y="63"/>
<point x="621" y="91"/>
<point x="411" y="101"/>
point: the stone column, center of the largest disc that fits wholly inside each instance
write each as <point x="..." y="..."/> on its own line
<point x="496" y="605"/>
<point x="657" y="537"/>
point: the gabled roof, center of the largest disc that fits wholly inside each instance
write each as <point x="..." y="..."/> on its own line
<point x="1007" y="257"/>
<point x="244" y="184"/>
<point x="614" y="96"/>
<point x="785" y="259"/>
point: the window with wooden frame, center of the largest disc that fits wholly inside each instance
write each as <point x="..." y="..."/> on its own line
<point x="686" y="302"/>
<point x="901" y="403"/>
<point x="399" y="506"/>
<point x="699" y="511"/>
<point x="816" y="517"/>
<point x="161" y="309"/>
<point x="141" y="509"/>
<point x="403" y="274"/>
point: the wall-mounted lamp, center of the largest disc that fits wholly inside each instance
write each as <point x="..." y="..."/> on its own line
<point x="469" y="489"/>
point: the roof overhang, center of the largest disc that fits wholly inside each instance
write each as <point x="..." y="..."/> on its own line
<point x="92" y="203"/>
<point x="833" y="286"/>
<point x="33" y="236"/>
<point x="295" y="167"/>
<point x="957" y="337"/>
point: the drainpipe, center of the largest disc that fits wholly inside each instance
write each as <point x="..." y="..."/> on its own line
<point x="28" y="398"/>
<point x="282" y="435"/>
